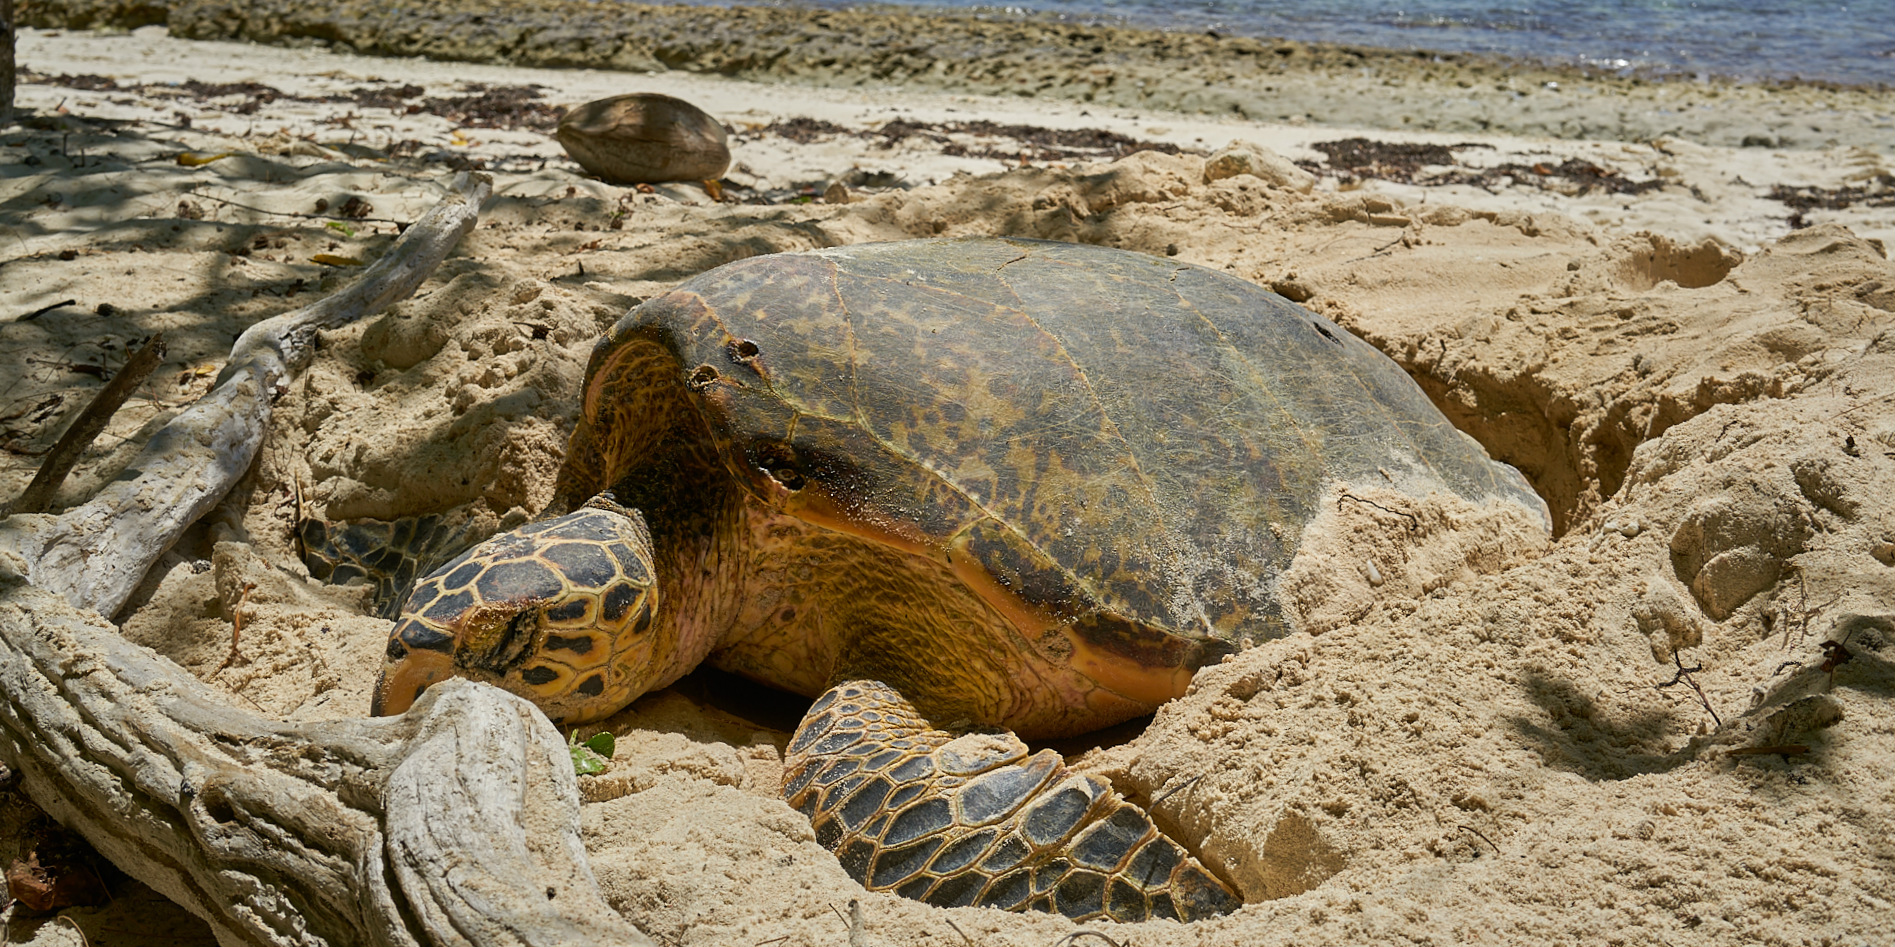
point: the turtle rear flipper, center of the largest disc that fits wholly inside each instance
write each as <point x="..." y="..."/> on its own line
<point x="387" y="554"/>
<point x="974" y="820"/>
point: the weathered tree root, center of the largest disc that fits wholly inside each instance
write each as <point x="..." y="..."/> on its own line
<point x="87" y="426"/>
<point x="456" y="823"/>
<point x="96" y="553"/>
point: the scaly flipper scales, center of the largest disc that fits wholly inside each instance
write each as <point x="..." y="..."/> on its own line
<point x="390" y="555"/>
<point x="972" y="819"/>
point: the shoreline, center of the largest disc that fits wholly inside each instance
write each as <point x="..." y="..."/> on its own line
<point x="1577" y="69"/>
<point x="1277" y="81"/>
<point x="790" y="140"/>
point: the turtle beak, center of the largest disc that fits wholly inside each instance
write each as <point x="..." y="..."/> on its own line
<point x="401" y="683"/>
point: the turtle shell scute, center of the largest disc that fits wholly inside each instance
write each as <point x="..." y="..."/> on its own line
<point x="582" y="563"/>
<point x="517" y="580"/>
<point x="449" y="608"/>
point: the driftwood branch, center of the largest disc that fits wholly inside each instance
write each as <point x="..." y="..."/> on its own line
<point x="456" y="823"/>
<point x="95" y="554"/>
<point x="87" y="427"/>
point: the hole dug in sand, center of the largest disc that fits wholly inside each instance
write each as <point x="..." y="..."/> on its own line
<point x="1691" y="267"/>
<point x="1613" y="348"/>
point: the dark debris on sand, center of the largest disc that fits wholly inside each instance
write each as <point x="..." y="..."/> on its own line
<point x="397" y="99"/>
<point x="1388" y="161"/>
<point x="255" y="95"/>
<point x="84" y="83"/>
<point x="1009" y="143"/>
<point x="803" y="131"/>
<point x="1877" y="192"/>
<point x="1409" y="163"/>
<point x="1028" y="142"/>
<point x="480" y="105"/>
<point x="496" y="106"/>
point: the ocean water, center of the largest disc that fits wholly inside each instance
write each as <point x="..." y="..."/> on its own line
<point x="1848" y="41"/>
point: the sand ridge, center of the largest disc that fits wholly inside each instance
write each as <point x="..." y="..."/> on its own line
<point x="1479" y="737"/>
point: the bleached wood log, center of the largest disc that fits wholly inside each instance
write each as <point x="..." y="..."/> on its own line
<point x="456" y="823"/>
<point x="95" y="554"/>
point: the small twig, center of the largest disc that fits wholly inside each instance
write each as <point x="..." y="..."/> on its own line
<point x="1684" y="677"/>
<point x="1802" y="611"/>
<point x="292" y="213"/>
<point x="1860" y="406"/>
<point x="1384" y="248"/>
<point x="90" y="423"/>
<point x="1187" y="784"/>
<point x="1680" y="677"/>
<point x="1483" y="836"/>
<point x="296" y="536"/>
<point x="1413" y="523"/>
<point x="1787" y="749"/>
<point x="957" y="930"/>
<point x="1835" y="655"/>
<point x="93" y="867"/>
<point x="77" y="368"/>
<point x="773" y="940"/>
<point x="1075" y="935"/>
<point x="83" y="942"/>
<point x="43" y="310"/>
<point x="236" y="627"/>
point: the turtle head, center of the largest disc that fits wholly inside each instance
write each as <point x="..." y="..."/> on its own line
<point x="559" y="611"/>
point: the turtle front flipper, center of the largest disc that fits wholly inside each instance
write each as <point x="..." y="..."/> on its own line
<point x="388" y="554"/>
<point x="972" y="819"/>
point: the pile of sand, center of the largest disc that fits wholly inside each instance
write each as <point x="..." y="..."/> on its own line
<point x="1634" y="732"/>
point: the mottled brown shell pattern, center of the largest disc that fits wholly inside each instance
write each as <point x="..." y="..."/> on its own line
<point x="557" y="611"/>
<point x="1114" y="444"/>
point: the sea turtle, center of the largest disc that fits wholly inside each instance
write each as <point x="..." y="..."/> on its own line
<point x="956" y="490"/>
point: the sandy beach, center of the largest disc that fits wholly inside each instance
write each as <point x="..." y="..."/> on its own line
<point x="1668" y="303"/>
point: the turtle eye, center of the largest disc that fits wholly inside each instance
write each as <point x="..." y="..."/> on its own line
<point x="777" y="461"/>
<point x="788" y="477"/>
